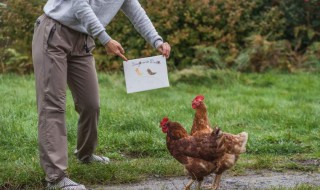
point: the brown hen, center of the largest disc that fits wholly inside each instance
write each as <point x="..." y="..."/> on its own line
<point x="201" y="125"/>
<point x="200" y="122"/>
<point x="203" y="154"/>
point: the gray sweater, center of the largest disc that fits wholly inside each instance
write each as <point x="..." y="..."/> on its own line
<point x="91" y="17"/>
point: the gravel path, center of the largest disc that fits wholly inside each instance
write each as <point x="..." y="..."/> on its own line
<point x="249" y="180"/>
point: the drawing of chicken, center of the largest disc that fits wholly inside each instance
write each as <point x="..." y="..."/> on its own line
<point x="138" y="72"/>
<point x="150" y="72"/>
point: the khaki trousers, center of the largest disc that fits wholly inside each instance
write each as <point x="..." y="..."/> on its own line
<point x="62" y="57"/>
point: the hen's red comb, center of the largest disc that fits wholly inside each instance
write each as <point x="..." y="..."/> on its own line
<point x="199" y="97"/>
<point x="164" y="121"/>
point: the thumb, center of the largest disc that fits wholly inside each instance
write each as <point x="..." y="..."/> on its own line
<point x="160" y="49"/>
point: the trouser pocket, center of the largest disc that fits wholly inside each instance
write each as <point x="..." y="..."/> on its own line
<point x="40" y="20"/>
<point x="89" y="44"/>
<point x="49" y="34"/>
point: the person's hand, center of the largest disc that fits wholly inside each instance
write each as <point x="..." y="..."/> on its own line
<point x="114" y="48"/>
<point x="165" y="49"/>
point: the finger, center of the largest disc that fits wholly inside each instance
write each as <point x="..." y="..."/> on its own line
<point x="163" y="50"/>
<point x="121" y="49"/>
<point x="160" y="49"/>
<point x="166" y="51"/>
<point x="114" y="52"/>
<point x="167" y="54"/>
<point x="169" y="50"/>
<point x="122" y="56"/>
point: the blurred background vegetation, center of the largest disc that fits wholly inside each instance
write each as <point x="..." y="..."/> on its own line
<point x="244" y="35"/>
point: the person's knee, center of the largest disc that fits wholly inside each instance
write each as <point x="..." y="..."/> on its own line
<point x="94" y="108"/>
<point x="89" y="107"/>
<point x="54" y="103"/>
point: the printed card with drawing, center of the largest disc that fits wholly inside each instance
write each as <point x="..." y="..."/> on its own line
<point x="146" y="74"/>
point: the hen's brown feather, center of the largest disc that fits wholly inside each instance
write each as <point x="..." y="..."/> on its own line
<point x="189" y="150"/>
<point x="205" y="147"/>
<point x="231" y="145"/>
<point x="201" y="122"/>
<point x="204" y="153"/>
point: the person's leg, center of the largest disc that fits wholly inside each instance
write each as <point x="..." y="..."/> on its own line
<point x="83" y="83"/>
<point x="49" y="53"/>
<point x="51" y="82"/>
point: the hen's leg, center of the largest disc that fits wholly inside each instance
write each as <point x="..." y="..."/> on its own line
<point x="189" y="185"/>
<point x="216" y="182"/>
<point x="199" y="185"/>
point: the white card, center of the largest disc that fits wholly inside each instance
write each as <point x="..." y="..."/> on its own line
<point x="146" y="74"/>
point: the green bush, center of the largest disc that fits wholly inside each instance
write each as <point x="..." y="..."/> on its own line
<point x="312" y="57"/>
<point x="262" y="55"/>
<point x="16" y="23"/>
<point x="302" y="24"/>
<point x="212" y="33"/>
<point x="202" y="32"/>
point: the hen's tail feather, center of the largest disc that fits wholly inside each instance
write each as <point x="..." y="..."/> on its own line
<point x="244" y="139"/>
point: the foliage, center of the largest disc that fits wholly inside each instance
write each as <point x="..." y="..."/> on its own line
<point x="214" y="33"/>
<point x="213" y="24"/>
<point x="261" y="55"/>
<point x="16" y="23"/>
<point x="18" y="19"/>
<point x="312" y="57"/>
<point x="302" y="22"/>
<point x="15" y="62"/>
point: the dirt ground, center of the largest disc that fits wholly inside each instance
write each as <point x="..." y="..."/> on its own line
<point x="247" y="181"/>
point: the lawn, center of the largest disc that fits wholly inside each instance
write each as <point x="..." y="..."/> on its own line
<point x="279" y="111"/>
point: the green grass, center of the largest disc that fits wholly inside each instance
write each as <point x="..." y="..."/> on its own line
<point x="279" y="111"/>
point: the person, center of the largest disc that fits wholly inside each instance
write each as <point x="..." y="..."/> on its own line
<point x="62" y="46"/>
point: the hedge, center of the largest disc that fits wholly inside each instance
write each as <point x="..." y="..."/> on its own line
<point x="247" y="35"/>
